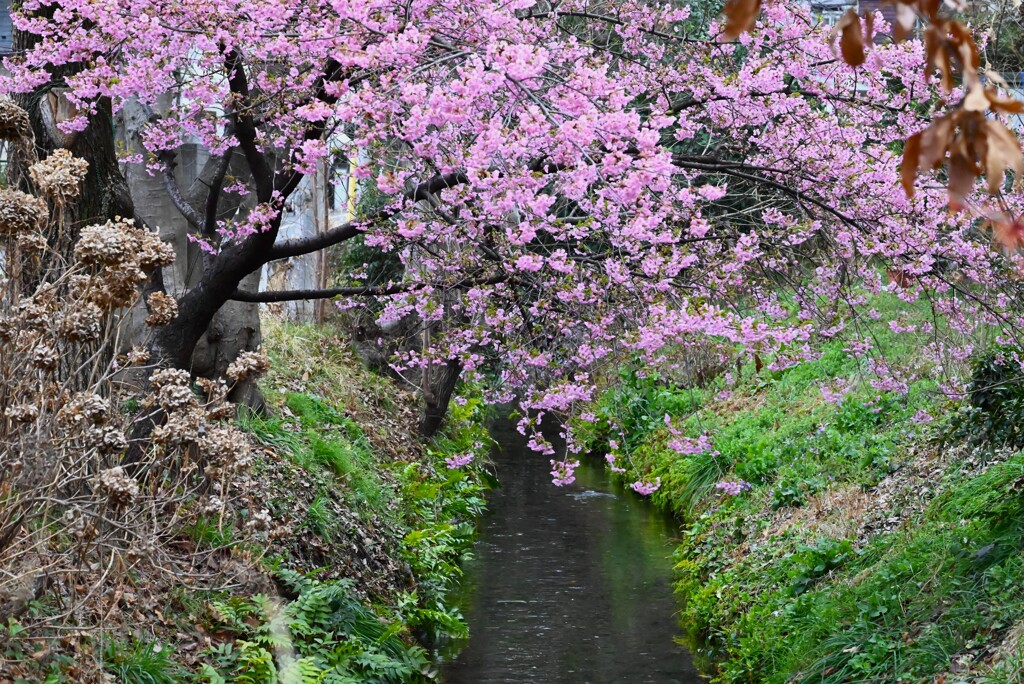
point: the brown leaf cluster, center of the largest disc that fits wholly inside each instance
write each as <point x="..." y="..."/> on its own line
<point x="971" y="145"/>
<point x="949" y="47"/>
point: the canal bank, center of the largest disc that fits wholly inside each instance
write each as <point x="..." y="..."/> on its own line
<point x="832" y="537"/>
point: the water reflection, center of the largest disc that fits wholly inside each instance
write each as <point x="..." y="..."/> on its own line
<point x="568" y="584"/>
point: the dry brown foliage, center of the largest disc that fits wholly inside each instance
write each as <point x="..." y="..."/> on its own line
<point x="79" y="522"/>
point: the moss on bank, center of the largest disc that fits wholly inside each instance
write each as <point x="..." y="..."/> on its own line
<point x="340" y="570"/>
<point x="881" y="538"/>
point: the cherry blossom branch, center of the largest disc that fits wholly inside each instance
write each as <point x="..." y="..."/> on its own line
<point x="300" y="246"/>
<point x="335" y="236"/>
<point x="613" y="21"/>
<point x="245" y="126"/>
<point x="170" y="183"/>
<point x="332" y="292"/>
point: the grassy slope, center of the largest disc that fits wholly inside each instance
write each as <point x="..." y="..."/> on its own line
<point x="367" y="526"/>
<point x="378" y="522"/>
<point x="867" y="550"/>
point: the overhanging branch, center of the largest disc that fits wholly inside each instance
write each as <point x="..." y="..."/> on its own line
<point x="325" y="293"/>
<point x="346" y="231"/>
<point x="332" y="292"/>
<point x="335" y="236"/>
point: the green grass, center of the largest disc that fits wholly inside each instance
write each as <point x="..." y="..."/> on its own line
<point x="768" y="600"/>
<point x="326" y="440"/>
<point x="210" y="532"/>
<point x="324" y="425"/>
<point x="141" y="662"/>
<point x="320" y="518"/>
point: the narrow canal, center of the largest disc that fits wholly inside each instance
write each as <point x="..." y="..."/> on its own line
<point x="568" y="585"/>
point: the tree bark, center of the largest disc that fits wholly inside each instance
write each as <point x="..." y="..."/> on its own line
<point x="437" y="395"/>
<point x="235" y="326"/>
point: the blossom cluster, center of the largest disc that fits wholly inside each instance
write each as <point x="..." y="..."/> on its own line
<point x="733" y="488"/>
<point x="646" y="488"/>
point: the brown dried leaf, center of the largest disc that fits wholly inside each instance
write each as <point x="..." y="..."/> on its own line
<point x="740" y="17"/>
<point x="962" y="173"/>
<point x="905" y="20"/>
<point x="976" y="99"/>
<point x="936" y="51"/>
<point x="911" y="158"/>
<point x="996" y="78"/>
<point x="929" y="8"/>
<point x="1008" y="231"/>
<point x="936" y="140"/>
<point x="1003" y="153"/>
<point x="1005" y="105"/>
<point x="851" y="39"/>
<point x="960" y="36"/>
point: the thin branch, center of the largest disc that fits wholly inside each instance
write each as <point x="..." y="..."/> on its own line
<point x="325" y="293"/>
<point x="214" y="190"/>
<point x="731" y="170"/>
<point x="330" y="293"/>
<point x="245" y="127"/>
<point x="346" y="231"/>
<point x="335" y="236"/>
<point x="424" y="190"/>
<point x="174" y="191"/>
<point x="614" y="22"/>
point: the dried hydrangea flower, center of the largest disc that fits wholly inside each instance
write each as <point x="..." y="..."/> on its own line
<point x="226" y="450"/>
<point x="22" y="413"/>
<point x="137" y="356"/>
<point x="260" y="521"/>
<point x="31" y="243"/>
<point x="162" y="309"/>
<point x="85" y="408"/>
<point x="176" y="398"/>
<point x="45" y="356"/>
<point x="83" y="323"/>
<point x="120" y="286"/>
<point x="120" y="489"/>
<point x="250" y="364"/>
<point x="151" y="252"/>
<point x="108" y="440"/>
<point x="21" y="213"/>
<point x="169" y="376"/>
<point x="8" y="326"/>
<point x="14" y="122"/>
<point x="222" y="411"/>
<point x="59" y="176"/>
<point x="107" y="244"/>
<point x="183" y="427"/>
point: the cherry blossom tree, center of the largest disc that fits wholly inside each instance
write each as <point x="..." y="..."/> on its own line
<point x="564" y="182"/>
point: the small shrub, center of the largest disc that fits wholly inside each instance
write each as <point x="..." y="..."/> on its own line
<point x="996" y="393"/>
<point x="795" y="485"/>
<point x="811" y="563"/>
<point x="141" y="662"/>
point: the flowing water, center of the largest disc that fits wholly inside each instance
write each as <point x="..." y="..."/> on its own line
<point x="568" y="585"/>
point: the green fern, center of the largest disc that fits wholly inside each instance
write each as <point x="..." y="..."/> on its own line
<point x="334" y="637"/>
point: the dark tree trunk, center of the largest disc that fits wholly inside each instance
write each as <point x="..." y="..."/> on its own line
<point x="437" y="394"/>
